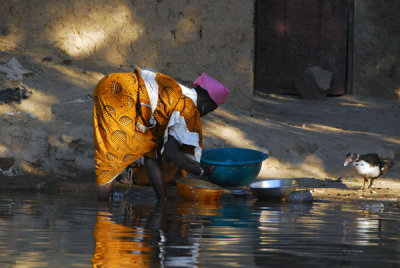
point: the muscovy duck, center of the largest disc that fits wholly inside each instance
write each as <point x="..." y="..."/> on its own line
<point x="370" y="166"/>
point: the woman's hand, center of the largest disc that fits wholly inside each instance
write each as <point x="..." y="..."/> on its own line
<point x="207" y="170"/>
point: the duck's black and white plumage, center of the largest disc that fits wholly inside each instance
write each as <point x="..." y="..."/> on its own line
<point x="370" y="166"/>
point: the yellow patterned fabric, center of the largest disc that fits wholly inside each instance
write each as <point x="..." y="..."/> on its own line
<point x="121" y="107"/>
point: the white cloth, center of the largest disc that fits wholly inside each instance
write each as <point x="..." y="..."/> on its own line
<point x="177" y="128"/>
<point x="149" y="79"/>
<point x="190" y="93"/>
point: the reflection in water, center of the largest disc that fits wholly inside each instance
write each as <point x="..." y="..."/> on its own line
<point x="56" y="231"/>
<point x="38" y="230"/>
<point x="135" y="241"/>
<point x="195" y="217"/>
<point x="147" y="238"/>
<point x="118" y="245"/>
<point x="236" y="232"/>
<point x="318" y="236"/>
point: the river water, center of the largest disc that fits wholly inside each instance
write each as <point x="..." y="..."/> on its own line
<point x="73" y="230"/>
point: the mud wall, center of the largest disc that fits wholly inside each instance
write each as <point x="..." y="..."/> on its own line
<point x="186" y="37"/>
<point x="182" y="38"/>
<point x="69" y="45"/>
<point x="376" y="49"/>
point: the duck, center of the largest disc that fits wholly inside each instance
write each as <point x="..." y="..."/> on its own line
<point x="370" y="166"/>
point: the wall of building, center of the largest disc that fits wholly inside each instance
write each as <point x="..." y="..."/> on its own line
<point x="376" y="49"/>
<point x="186" y="37"/>
<point x="182" y="38"/>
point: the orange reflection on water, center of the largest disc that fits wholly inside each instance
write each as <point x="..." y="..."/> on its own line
<point x="203" y="208"/>
<point x="118" y="245"/>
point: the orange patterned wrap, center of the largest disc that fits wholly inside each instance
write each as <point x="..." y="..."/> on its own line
<point x="121" y="102"/>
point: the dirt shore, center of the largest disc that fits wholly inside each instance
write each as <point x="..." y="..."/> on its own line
<point x="386" y="192"/>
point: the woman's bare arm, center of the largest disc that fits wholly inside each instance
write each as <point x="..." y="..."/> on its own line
<point x="173" y="152"/>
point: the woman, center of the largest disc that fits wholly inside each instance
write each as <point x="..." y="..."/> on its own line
<point x="146" y="114"/>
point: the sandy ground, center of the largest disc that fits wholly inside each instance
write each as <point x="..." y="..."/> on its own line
<point x="308" y="140"/>
<point x="305" y="139"/>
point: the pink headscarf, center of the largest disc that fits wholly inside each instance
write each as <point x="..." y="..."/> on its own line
<point x="215" y="89"/>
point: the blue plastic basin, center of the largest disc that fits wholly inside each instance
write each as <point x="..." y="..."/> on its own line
<point x="233" y="166"/>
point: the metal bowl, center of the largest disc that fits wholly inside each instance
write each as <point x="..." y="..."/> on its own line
<point x="273" y="188"/>
<point x="233" y="166"/>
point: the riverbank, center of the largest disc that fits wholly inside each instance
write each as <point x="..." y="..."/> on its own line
<point x="385" y="192"/>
